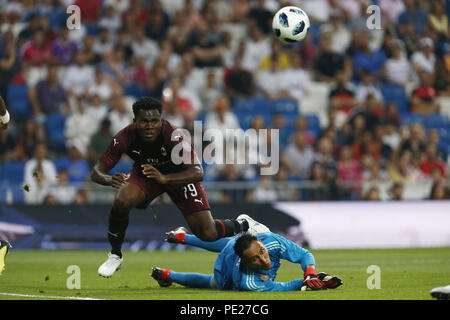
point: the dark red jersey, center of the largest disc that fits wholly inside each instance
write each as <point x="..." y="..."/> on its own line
<point x="157" y="153"/>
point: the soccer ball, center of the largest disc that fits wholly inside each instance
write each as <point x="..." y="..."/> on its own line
<point x="290" y="24"/>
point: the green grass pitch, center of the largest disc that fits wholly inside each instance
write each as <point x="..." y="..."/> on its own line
<point x="405" y="274"/>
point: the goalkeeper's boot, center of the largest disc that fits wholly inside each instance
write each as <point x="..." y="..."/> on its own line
<point x="111" y="265"/>
<point x="4" y="248"/>
<point x="162" y="276"/>
<point x="177" y="236"/>
<point x="441" y="293"/>
<point x="254" y="226"/>
<point x="331" y="282"/>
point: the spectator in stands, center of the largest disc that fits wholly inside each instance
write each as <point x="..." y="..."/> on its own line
<point x="296" y="80"/>
<point x="103" y="86"/>
<point x="80" y="125"/>
<point x="307" y="51"/>
<point x="301" y="124"/>
<point x="372" y="170"/>
<point x="402" y="169"/>
<point x="40" y="168"/>
<point x="324" y="189"/>
<point x="74" y="162"/>
<point x="342" y="36"/>
<point x="79" y="77"/>
<point x="110" y="20"/>
<point x="62" y="48"/>
<point x="87" y="48"/>
<point x="264" y="192"/>
<point x="423" y="97"/>
<point x="120" y="5"/>
<point x="424" y="59"/>
<point x="327" y="63"/>
<point x="373" y="194"/>
<point x="9" y="62"/>
<point x="285" y="191"/>
<point x="324" y="156"/>
<point x="8" y="147"/>
<point x="279" y="123"/>
<point x="348" y="171"/>
<point x="391" y="114"/>
<point x="396" y="191"/>
<point x="114" y="65"/>
<point x="221" y="118"/>
<point x="230" y="173"/>
<point x="391" y="136"/>
<point x="261" y="16"/>
<point x="432" y="161"/>
<point x="414" y="14"/>
<point x="298" y="156"/>
<point x="102" y="42"/>
<point x="119" y="115"/>
<point x="415" y="141"/>
<point x="433" y="138"/>
<point x="342" y="97"/>
<point x="32" y="134"/>
<point x="100" y="140"/>
<point x="210" y="93"/>
<point x="49" y="96"/>
<point x="257" y="46"/>
<point x="368" y="60"/>
<point x="283" y="59"/>
<point x="158" y="23"/>
<point x="238" y="80"/>
<point x="367" y="87"/>
<point x="96" y="109"/>
<point x="438" y="20"/>
<point x="62" y="191"/>
<point x="392" y="9"/>
<point x="442" y="76"/>
<point x="144" y="47"/>
<point x="271" y="82"/>
<point x="35" y="55"/>
<point x="90" y="10"/>
<point x="438" y="191"/>
<point x="398" y="68"/>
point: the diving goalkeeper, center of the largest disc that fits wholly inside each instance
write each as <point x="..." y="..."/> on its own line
<point x="248" y="262"/>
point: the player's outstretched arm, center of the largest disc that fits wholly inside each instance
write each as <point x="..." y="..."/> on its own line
<point x="99" y="174"/>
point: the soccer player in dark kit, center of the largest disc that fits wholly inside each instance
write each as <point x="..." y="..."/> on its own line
<point x="149" y="141"/>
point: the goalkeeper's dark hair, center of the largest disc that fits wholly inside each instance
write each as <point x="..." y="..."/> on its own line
<point x="243" y="243"/>
<point x="147" y="103"/>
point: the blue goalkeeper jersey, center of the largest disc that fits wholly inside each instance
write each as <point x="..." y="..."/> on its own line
<point x="230" y="275"/>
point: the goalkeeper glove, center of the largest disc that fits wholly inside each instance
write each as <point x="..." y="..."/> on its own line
<point x="311" y="280"/>
<point x="331" y="282"/>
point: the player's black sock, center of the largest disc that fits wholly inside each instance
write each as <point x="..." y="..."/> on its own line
<point x="229" y="228"/>
<point x="116" y="232"/>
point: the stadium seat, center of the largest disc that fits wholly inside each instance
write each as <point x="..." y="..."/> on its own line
<point x="201" y="117"/>
<point x="313" y="123"/>
<point x="395" y="93"/>
<point x="54" y="127"/>
<point x="436" y="121"/>
<point x="254" y="104"/>
<point x="410" y="118"/>
<point x="18" y="102"/>
<point x="13" y="171"/>
<point x="288" y="107"/>
<point x="132" y="90"/>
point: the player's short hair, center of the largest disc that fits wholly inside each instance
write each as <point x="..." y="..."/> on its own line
<point x="147" y="103"/>
<point x="243" y="243"/>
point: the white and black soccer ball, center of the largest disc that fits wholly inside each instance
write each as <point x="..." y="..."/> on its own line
<point x="290" y="24"/>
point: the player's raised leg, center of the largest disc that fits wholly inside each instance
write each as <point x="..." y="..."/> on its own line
<point x="127" y="197"/>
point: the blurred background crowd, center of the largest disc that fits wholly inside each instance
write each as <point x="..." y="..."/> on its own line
<point x="362" y="113"/>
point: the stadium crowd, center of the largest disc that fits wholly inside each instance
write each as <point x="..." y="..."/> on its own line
<point x="70" y="91"/>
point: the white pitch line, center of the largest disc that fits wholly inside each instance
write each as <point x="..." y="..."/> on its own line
<point x="48" y="297"/>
